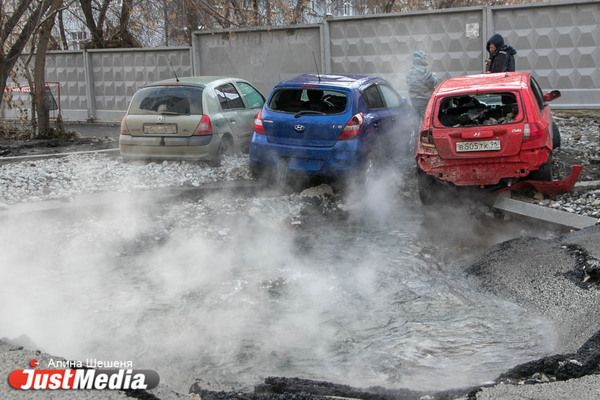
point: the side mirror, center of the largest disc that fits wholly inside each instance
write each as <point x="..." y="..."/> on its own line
<point x="552" y="95"/>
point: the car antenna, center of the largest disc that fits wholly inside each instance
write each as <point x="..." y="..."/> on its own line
<point x="316" y="66"/>
<point x="173" y="69"/>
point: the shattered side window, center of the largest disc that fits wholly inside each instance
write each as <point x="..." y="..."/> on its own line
<point x="479" y="109"/>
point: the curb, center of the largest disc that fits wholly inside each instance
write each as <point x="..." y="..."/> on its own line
<point x="6" y="160"/>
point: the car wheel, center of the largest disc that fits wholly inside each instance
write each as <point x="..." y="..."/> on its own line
<point x="426" y="186"/>
<point x="256" y="170"/>
<point x="544" y="172"/>
<point x="225" y="149"/>
<point x="555" y="136"/>
<point x="370" y="170"/>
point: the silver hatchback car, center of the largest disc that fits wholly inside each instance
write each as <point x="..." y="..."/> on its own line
<point x="196" y="118"/>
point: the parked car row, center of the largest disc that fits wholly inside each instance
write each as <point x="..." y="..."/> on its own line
<point x="486" y="130"/>
<point x="329" y="125"/>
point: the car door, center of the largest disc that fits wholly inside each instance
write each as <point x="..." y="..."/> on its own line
<point x="233" y="112"/>
<point x="254" y="101"/>
<point x="380" y="119"/>
<point x="545" y="115"/>
<point x="399" y="124"/>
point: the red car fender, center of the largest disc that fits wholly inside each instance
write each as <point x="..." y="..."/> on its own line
<point x="549" y="187"/>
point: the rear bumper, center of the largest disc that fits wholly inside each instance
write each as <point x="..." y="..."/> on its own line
<point x="482" y="171"/>
<point x="338" y="159"/>
<point x="194" y="148"/>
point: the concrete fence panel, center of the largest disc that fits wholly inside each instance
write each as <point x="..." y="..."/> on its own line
<point x="264" y="57"/>
<point x="558" y="42"/>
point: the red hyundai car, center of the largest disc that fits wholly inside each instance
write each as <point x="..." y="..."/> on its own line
<point x="487" y="130"/>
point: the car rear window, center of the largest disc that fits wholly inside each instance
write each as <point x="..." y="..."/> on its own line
<point x="167" y="100"/>
<point x="322" y="102"/>
<point x="479" y="109"/>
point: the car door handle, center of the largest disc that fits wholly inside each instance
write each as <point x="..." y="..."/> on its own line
<point x="376" y="125"/>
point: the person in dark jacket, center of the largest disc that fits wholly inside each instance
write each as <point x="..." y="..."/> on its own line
<point x="502" y="56"/>
<point x="421" y="82"/>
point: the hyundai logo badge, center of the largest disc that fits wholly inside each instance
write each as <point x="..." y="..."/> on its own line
<point x="161" y="118"/>
<point x="299" y="128"/>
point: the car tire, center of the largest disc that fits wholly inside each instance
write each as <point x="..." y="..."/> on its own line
<point x="225" y="149"/>
<point x="555" y="136"/>
<point x="544" y="172"/>
<point x="370" y="168"/>
<point x="256" y="171"/>
<point x="426" y="186"/>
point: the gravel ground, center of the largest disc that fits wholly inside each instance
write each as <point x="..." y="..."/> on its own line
<point x="44" y="179"/>
<point x="580" y="137"/>
<point x="72" y="175"/>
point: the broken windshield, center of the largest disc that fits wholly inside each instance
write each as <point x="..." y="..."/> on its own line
<point x="479" y="109"/>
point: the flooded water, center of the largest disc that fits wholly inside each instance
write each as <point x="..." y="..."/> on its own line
<point x="230" y="290"/>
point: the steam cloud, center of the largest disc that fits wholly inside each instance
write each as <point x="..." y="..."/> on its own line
<point x="224" y="290"/>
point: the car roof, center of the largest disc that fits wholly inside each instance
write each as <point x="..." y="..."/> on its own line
<point x="484" y="82"/>
<point x="339" y="80"/>
<point x="197" y="80"/>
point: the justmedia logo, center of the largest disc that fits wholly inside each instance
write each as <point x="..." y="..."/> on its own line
<point x="84" y="378"/>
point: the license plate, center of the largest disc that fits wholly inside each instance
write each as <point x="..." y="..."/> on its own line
<point x="481" y="145"/>
<point x="163" y="129"/>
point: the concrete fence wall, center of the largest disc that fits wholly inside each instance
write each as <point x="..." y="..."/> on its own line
<point x="558" y="42"/>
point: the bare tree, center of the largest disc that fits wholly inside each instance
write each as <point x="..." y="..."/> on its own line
<point x="94" y="20"/>
<point x="17" y="28"/>
<point x="61" y="30"/>
<point x="104" y="31"/>
<point x="39" y="87"/>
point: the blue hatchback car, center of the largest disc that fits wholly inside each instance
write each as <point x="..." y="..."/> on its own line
<point x="330" y="125"/>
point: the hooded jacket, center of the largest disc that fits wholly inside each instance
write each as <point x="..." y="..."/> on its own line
<point x="420" y="80"/>
<point x="503" y="59"/>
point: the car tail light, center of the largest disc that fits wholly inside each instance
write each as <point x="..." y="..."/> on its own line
<point x="532" y="131"/>
<point x="124" y="129"/>
<point x="352" y="127"/>
<point x="204" y="127"/>
<point x="258" y="124"/>
<point x="426" y="138"/>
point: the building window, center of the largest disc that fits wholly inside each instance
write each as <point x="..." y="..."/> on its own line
<point x="347" y="8"/>
<point x="77" y="39"/>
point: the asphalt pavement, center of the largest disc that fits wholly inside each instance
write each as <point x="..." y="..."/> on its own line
<point x="94" y="129"/>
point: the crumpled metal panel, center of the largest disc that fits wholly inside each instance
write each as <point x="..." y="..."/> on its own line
<point x="561" y="186"/>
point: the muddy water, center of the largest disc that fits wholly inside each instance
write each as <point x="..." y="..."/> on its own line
<point x="232" y="290"/>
